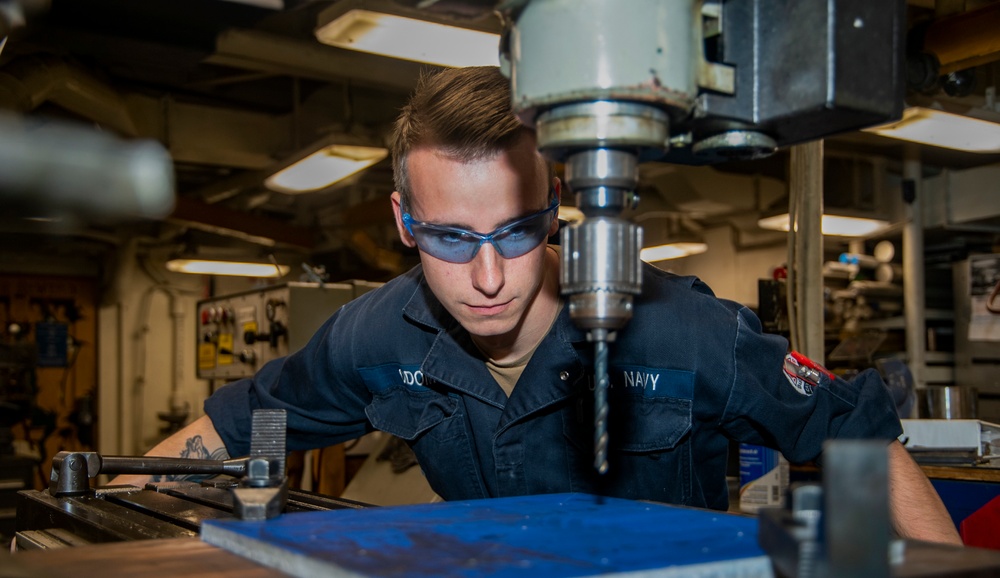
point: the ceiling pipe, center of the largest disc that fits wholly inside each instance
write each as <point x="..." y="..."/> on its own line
<point x="965" y="40"/>
<point x="27" y="83"/>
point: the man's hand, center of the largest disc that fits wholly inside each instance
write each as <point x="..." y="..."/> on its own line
<point x="198" y="440"/>
<point x="916" y="510"/>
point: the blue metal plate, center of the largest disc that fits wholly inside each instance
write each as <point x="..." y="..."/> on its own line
<point x="550" y="535"/>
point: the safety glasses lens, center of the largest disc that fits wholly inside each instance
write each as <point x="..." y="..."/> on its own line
<point x="460" y="246"/>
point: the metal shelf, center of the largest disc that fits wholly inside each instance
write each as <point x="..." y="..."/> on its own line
<point x="899" y="322"/>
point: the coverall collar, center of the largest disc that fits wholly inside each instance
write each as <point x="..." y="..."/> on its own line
<point x="455" y="361"/>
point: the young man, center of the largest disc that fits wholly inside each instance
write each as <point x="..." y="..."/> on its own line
<point x="473" y="360"/>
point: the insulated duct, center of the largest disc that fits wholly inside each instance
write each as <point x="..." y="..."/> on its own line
<point x="27" y="83"/>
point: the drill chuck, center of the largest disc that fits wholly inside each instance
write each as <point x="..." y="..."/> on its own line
<point x="601" y="271"/>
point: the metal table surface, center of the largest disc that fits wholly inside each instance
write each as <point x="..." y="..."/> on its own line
<point x="164" y="558"/>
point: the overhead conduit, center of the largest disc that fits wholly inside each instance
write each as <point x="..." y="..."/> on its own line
<point x="965" y="40"/>
<point x="27" y="83"/>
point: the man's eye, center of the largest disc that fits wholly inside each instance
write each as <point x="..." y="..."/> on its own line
<point x="518" y="232"/>
<point x="448" y="236"/>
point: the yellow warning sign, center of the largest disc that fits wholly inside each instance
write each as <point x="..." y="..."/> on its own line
<point x="225" y="349"/>
<point x="206" y="355"/>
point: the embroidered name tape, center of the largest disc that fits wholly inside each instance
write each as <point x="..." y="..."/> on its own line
<point x="381" y="378"/>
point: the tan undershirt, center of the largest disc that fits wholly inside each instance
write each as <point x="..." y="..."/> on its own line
<point x="508" y="373"/>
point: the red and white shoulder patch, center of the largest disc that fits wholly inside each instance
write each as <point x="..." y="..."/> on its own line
<point x="804" y="373"/>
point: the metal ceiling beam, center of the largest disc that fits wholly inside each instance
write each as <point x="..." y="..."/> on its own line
<point x="223" y="221"/>
<point x="265" y="52"/>
<point x="965" y="40"/>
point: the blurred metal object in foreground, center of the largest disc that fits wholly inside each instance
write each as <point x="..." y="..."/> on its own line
<point x="14" y="14"/>
<point x="688" y="81"/>
<point x="54" y="169"/>
<point x="842" y="528"/>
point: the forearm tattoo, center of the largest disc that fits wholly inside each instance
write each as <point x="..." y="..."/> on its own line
<point x="194" y="449"/>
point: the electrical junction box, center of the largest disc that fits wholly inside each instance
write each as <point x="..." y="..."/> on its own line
<point x="239" y="333"/>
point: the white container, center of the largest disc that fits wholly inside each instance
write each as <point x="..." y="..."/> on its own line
<point x="763" y="478"/>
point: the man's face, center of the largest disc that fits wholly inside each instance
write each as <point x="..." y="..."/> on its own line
<point x="489" y="295"/>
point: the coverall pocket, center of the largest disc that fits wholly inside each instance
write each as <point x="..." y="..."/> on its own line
<point x="648" y="425"/>
<point x="649" y="454"/>
<point x="433" y="424"/>
<point x="639" y="422"/>
<point x="411" y="414"/>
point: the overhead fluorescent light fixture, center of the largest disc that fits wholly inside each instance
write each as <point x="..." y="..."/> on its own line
<point x="324" y="168"/>
<point x="671" y="251"/>
<point x="232" y="268"/>
<point x="834" y="225"/>
<point x="943" y="129"/>
<point x="411" y="39"/>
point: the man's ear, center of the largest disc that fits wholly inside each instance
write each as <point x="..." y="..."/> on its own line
<point x="557" y="191"/>
<point x="397" y="210"/>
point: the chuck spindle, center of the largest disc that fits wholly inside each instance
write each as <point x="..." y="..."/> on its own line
<point x="601" y="270"/>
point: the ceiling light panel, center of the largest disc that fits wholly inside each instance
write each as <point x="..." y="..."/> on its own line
<point x="411" y="39"/>
<point x="324" y="168"/>
<point x="943" y="129"/>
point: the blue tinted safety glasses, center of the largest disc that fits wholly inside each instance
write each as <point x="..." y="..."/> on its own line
<point x="456" y="245"/>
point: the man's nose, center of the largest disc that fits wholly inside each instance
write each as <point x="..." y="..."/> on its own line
<point x="487" y="270"/>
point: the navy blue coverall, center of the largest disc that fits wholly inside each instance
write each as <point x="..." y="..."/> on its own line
<point x="689" y="373"/>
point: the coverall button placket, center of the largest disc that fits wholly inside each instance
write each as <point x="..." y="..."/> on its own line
<point x="526" y="423"/>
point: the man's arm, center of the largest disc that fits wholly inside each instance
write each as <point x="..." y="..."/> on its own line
<point x="198" y="440"/>
<point x="917" y="511"/>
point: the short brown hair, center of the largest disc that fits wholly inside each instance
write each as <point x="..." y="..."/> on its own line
<point x="464" y="112"/>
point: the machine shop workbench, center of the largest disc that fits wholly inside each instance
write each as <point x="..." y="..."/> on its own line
<point x="192" y="558"/>
<point x="835" y="530"/>
<point x="601" y="537"/>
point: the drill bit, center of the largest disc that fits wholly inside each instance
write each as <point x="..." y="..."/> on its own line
<point x="600" y="400"/>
